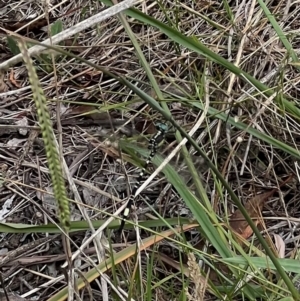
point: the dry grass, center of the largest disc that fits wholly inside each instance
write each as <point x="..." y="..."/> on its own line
<point x="243" y="36"/>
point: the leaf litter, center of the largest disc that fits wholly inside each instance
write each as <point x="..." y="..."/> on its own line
<point x="78" y="85"/>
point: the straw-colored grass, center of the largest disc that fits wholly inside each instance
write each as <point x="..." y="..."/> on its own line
<point x="223" y="75"/>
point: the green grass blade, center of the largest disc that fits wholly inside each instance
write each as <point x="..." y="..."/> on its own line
<point x="198" y="210"/>
<point x="290" y="265"/>
<point x="169" y="118"/>
<point x="198" y="47"/>
<point x="280" y="33"/>
<point x="250" y="130"/>
<point x="83" y="226"/>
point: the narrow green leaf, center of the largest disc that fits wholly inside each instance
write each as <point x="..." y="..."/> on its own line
<point x="201" y="215"/>
<point x="83" y="226"/>
<point x="288" y="46"/>
<point x="290" y="265"/>
<point x="249" y="129"/>
<point x="12" y="45"/>
<point x="56" y="27"/>
<point x="200" y="48"/>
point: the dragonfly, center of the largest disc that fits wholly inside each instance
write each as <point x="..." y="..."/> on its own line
<point x="162" y="128"/>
